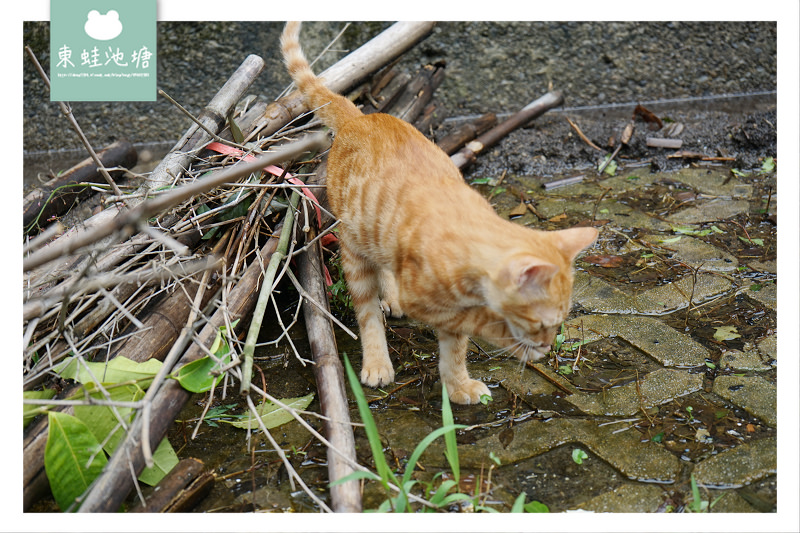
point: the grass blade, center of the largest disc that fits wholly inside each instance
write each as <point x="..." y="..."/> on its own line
<point x="451" y="447"/>
<point x="369" y="426"/>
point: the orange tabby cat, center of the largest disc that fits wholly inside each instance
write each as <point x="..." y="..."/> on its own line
<point x="415" y="233"/>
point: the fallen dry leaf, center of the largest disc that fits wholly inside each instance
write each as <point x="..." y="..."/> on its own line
<point x="605" y="261"/>
<point x="518" y="211"/>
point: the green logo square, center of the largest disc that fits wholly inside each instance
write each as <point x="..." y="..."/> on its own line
<point x="103" y="50"/>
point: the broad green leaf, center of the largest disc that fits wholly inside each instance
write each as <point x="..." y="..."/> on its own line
<point x="70" y="445"/>
<point x="536" y="507"/>
<point x="101" y="419"/>
<point x="117" y="370"/>
<point x="670" y="240"/>
<point x="196" y="376"/>
<point x="164" y="460"/>
<point x="104" y="425"/>
<point x="272" y="415"/>
<point x="29" y="412"/>
<point x="726" y="333"/>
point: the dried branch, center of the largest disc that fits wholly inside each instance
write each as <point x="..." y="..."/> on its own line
<point x="535" y="109"/>
<point x="127" y="220"/>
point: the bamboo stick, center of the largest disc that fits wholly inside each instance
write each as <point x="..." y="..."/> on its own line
<point x="180" y="490"/>
<point x="349" y="71"/>
<point x="329" y="374"/>
<point x="127" y="220"/>
<point x="54" y="198"/>
<point x="535" y="109"/>
<point x="264" y="294"/>
<point x="466" y="132"/>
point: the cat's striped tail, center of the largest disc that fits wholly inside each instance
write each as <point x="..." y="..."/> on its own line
<point x="333" y="109"/>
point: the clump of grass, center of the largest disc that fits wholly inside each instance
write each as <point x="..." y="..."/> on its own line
<point x="400" y="491"/>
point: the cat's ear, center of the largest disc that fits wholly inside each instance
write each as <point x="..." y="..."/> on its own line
<point x="573" y="241"/>
<point x="529" y="275"/>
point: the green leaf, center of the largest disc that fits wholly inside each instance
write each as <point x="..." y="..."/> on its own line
<point x="565" y="369"/>
<point x="768" y="165"/>
<point x="757" y="242"/>
<point x="100" y="419"/>
<point x="356" y="476"/>
<point x="164" y="460"/>
<point x="536" y="507"/>
<point x="272" y="415"/>
<point x="70" y="446"/>
<point x="104" y="425"/>
<point x="117" y="370"/>
<point x="29" y="412"/>
<point x="440" y="494"/>
<point x="579" y="456"/>
<point x="611" y="167"/>
<point x="726" y="333"/>
<point x="196" y="376"/>
<point x="519" y="504"/>
<point x="670" y="240"/>
<point x="755" y="287"/>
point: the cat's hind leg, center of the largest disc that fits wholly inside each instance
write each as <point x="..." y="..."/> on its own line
<point x="453" y="370"/>
<point x="363" y="284"/>
<point x="390" y="299"/>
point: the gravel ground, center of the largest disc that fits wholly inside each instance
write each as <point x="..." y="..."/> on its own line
<point x="491" y="66"/>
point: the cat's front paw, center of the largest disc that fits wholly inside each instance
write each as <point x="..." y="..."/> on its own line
<point x="377" y="374"/>
<point x="467" y="392"/>
<point x="391" y="308"/>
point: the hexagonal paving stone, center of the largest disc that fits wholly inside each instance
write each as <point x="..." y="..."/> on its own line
<point x="656" y="339"/>
<point x="627" y="498"/>
<point x="600" y="297"/>
<point x="754" y="394"/>
<point x="739" y="466"/>
<point x="654" y="389"/>
<point x="697" y="253"/>
<point x="711" y="211"/>
<point x="767" y="295"/>
<point x="625" y="451"/>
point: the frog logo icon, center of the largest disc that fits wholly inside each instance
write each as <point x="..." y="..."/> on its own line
<point x="102" y="27"/>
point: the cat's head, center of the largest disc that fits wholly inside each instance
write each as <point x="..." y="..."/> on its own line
<point x="532" y="290"/>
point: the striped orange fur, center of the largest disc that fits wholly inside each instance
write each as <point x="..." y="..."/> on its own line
<point x="417" y="240"/>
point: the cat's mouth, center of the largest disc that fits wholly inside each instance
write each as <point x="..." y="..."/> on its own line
<point x="528" y="350"/>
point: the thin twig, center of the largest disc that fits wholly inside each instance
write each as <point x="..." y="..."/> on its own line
<point x="65" y="108"/>
<point x="126" y="220"/>
<point x="202" y="126"/>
